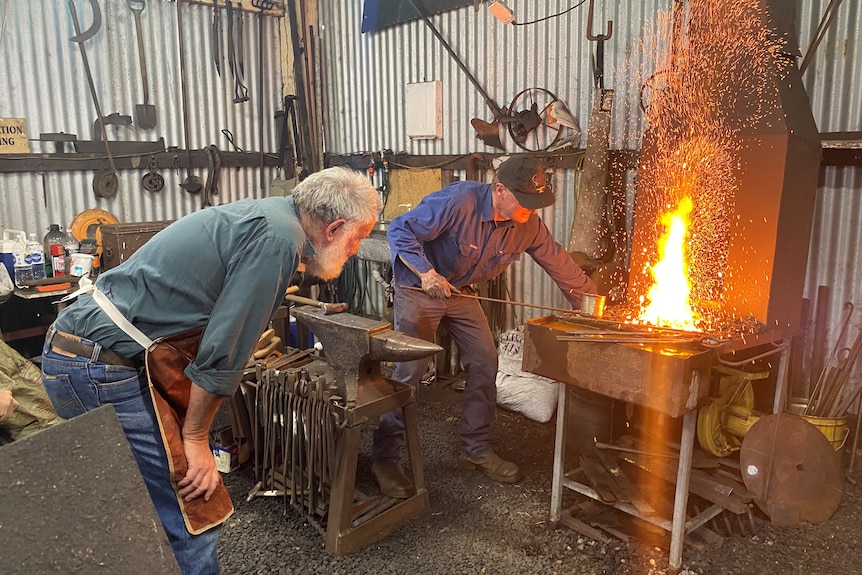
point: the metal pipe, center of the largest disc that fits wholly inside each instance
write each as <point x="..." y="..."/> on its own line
<point x="498" y="112"/>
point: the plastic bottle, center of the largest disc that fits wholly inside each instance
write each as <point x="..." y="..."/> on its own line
<point x="70" y="248"/>
<point x="23" y="269"/>
<point x="36" y="257"/>
<point x="58" y="260"/>
<point x="55" y="236"/>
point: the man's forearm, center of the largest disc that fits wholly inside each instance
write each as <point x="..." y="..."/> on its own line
<point x="203" y="406"/>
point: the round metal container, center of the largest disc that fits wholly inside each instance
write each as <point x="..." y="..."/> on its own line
<point x="592" y="305"/>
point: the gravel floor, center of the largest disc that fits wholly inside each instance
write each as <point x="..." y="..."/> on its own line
<point x="478" y="526"/>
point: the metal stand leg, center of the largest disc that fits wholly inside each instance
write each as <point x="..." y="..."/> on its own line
<point x="781" y="380"/>
<point x="559" y="456"/>
<point x="680" y="500"/>
<point x="855" y="436"/>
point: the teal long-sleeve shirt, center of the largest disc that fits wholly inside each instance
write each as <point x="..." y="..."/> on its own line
<point x="225" y="268"/>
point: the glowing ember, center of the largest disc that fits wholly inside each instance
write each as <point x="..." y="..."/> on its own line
<point x="669" y="296"/>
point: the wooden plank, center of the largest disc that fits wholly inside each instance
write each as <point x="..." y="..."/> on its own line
<point x="629" y="493"/>
<point x="408" y="187"/>
<point x="76" y="162"/>
<point x="567" y="519"/>
<point x="700" y="484"/>
<point x="599" y="479"/>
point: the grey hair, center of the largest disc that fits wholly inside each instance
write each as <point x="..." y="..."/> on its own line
<point x="336" y="193"/>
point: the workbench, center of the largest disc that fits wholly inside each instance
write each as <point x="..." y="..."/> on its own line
<point x="28" y="314"/>
<point x="546" y="356"/>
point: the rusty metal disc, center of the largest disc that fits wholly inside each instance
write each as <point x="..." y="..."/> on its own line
<point x="791" y="470"/>
<point x="105" y="184"/>
<point x="153" y="182"/>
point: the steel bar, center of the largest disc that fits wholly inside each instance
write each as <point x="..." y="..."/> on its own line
<point x="624" y="339"/>
<point x="495" y="300"/>
<point x="608" y="446"/>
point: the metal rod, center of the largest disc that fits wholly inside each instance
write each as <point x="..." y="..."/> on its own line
<point x="623" y="339"/>
<point x="455" y="294"/>
<point x="610" y="447"/>
<point x="498" y="112"/>
<point x="92" y="86"/>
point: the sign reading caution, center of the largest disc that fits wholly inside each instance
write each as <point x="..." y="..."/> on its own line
<point x="13" y="136"/>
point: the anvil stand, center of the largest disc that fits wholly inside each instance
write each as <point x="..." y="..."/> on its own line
<point x="354" y="348"/>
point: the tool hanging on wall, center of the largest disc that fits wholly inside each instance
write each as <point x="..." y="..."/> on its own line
<point x="40" y="171"/>
<point x="216" y="41"/>
<point x="213" y="173"/>
<point x="105" y="183"/>
<point x="192" y="183"/>
<point x="263" y="5"/>
<point x="144" y="113"/>
<point x="282" y="185"/>
<point x="81" y="37"/>
<point x="152" y="180"/>
<point x="234" y="52"/>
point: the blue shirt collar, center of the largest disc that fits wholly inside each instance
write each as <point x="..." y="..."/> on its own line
<point x="488" y="209"/>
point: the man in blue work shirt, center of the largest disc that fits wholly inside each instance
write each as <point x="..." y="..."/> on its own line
<point x="466" y="233"/>
<point x="223" y="269"/>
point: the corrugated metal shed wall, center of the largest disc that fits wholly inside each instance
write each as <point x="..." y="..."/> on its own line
<point x="45" y="82"/>
<point x="366" y="75"/>
<point x="834" y="84"/>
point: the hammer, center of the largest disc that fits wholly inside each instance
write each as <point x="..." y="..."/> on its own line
<point x="328" y="308"/>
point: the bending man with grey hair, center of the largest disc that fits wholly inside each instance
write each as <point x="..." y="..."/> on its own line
<point x="219" y="274"/>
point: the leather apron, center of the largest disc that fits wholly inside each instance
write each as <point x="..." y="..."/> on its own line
<point x="170" y="389"/>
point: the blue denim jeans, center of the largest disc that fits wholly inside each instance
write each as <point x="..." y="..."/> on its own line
<point x="417" y="315"/>
<point x="79" y="384"/>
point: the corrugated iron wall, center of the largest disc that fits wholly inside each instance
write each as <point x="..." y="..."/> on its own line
<point x="364" y="105"/>
<point x="833" y="81"/>
<point x="44" y="81"/>
<point x="366" y="73"/>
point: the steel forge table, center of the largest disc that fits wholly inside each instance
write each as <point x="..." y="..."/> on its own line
<point x="670" y="379"/>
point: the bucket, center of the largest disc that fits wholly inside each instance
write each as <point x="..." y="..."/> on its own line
<point x="834" y="429"/>
<point x="592" y="305"/>
<point x="81" y="264"/>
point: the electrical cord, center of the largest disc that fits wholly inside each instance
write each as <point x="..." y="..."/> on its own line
<point x="515" y="23"/>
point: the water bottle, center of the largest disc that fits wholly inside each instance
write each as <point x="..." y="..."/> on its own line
<point x="36" y="257"/>
<point x="23" y="269"/>
<point x="70" y="248"/>
<point x="55" y="236"/>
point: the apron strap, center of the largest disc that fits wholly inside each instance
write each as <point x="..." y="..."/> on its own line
<point x="86" y="286"/>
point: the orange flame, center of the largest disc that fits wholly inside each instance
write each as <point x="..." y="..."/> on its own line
<point x="669" y="296"/>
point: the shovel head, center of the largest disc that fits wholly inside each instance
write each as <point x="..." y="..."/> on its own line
<point x="146" y="116"/>
<point x="488" y="133"/>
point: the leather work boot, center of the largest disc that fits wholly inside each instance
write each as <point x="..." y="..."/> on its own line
<point x="392" y="480"/>
<point x="493" y="466"/>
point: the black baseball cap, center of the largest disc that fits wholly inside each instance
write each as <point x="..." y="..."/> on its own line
<point x="525" y="178"/>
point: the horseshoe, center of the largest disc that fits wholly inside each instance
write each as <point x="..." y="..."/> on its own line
<point x="94" y="27"/>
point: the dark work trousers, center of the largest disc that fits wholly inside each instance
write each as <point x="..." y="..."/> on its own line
<point x="417" y="315"/>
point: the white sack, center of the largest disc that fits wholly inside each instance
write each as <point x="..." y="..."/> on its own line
<point x="532" y="395"/>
